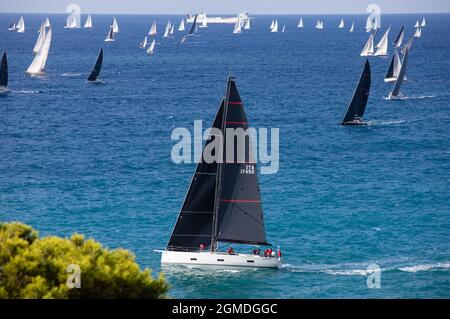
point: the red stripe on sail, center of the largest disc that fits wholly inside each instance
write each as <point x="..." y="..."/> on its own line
<point x="238" y="123"/>
<point x="240" y="201"/>
<point x="235" y="103"/>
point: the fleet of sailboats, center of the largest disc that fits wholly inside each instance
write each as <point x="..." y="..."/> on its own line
<point x="37" y="66"/>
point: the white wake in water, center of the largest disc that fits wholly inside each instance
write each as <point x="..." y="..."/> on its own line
<point x="70" y="74"/>
<point x="425" y="267"/>
<point x="27" y="91"/>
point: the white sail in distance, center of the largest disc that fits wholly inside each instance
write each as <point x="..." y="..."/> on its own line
<point x="181" y="27"/>
<point x="423" y="23"/>
<point x="418" y="33"/>
<point x="47" y="23"/>
<point x="247" y="24"/>
<point x="417" y="24"/>
<point x="151" y="48"/>
<point x="272" y="25"/>
<point x="237" y="27"/>
<point x="368" y="48"/>
<point x="88" y="23"/>
<point x="143" y="44"/>
<point x="167" y="30"/>
<point x="275" y="27"/>
<point x="152" y="29"/>
<point x="341" y="24"/>
<point x="115" y="26"/>
<point x="37" y="66"/>
<point x="300" y="23"/>
<point x="20" y="26"/>
<point x="352" y="27"/>
<point x="110" y="35"/>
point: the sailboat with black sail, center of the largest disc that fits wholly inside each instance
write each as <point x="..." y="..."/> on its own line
<point x="97" y="67"/>
<point x="358" y="104"/>
<point x="4" y="74"/>
<point x="395" y="94"/>
<point x="192" y="30"/>
<point x="223" y="202"/>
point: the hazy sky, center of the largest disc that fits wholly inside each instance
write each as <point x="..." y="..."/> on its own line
<point x="225" y="6"/>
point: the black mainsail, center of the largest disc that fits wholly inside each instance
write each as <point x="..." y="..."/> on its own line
<point x="97" y="67"/>
<point x="390" y="72"/>
<point x="358" y="104"/>
<point x="401" y="76"/>
<point x="4" y="71"/>
<point x="193" y="26"/>
<point x="223" y="203"/>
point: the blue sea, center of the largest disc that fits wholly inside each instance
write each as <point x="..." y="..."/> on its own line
<point x="96" y="159"/>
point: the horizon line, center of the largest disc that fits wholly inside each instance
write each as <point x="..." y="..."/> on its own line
<point x="233" y="14"/>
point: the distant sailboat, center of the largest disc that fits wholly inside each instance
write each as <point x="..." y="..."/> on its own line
<point x="47" y="23"/>
<point x="37" y="66"/>
<point x="368" y="48"/>
<point x="20" y="26"/>
<point x="382" y="46"/>
<point x="284" y="28"/>
<point x="192" y="30"/>
<point x="172" y="29"/>
<point x="341" y="24"/>
<point x="167" y="30"/>
<point x="423" y="23"/>
<point x="88" y="23"/>
<point x="396" y="94"/>
<point x="12" y="26"/>
<point x="143" y="44"/>
<point x="115" y="25"/>
<point x="110" y="35"/>
<point x="399" y="39"/>
<point x="352" y="27"/>
<point x="4" y="74"/>
<point x="318" y="24"/>
<point x="40" y="40"/>
<point x="247" y="24"/>
<point x="272" y="25"/>
<point x="151" y="48"/>
<point x="358" y="104"/>
<point x="204" y="21"/>
<point x="275" y="27"/>
<point x="417" y="24"/>
<point x="152" y="29"/>
<point x="237" y="27"/>
<point x="394" y="68"/>
<point x="418" y="33"/>
<point x="181" y="26"/>
<point x="223" y="202"/>
<point x="97" y="67"/>
<point x="300" y="23"/>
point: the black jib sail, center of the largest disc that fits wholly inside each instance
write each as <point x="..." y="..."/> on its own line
<point x="97" y="67"/>
<point x="399" y="37"/>
<point x="223" y="203"/>
<point x="4" y="71"/>
<point x="390" y="72"/>
<point x="193" y="26"/>
<point x="401" y="75"/>
<point x="358" y="104"/>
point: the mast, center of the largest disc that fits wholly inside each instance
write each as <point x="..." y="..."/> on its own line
<point x="401" y="76"/>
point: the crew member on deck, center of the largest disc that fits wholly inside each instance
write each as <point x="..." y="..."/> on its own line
<point x="230" y="251"/>
<point x="202" y="247"/>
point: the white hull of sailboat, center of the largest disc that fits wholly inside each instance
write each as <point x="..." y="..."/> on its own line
<point x="218" y="259"/>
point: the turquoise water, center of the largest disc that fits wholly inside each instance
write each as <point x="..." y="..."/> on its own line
<point x="96" y="159"/>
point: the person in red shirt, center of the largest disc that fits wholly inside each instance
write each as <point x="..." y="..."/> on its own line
<point x="230" y="251"/>
<point x="279" y="253"/>
<point x="202" y="247"/>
